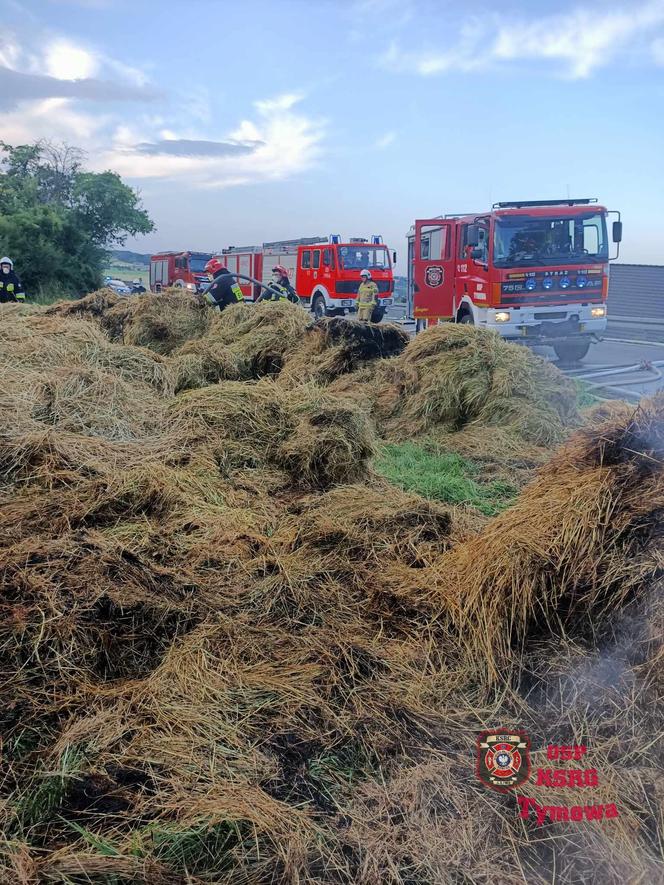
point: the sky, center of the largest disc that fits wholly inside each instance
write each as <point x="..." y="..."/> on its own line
<point x="253" y="121"/>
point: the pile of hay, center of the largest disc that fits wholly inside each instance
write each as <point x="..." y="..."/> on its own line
<point x="279" y="340"/>
<point x="229" y="653"/>
<point x="583" y="541"/>
<point x="161" y="322"/>
<point x="337" y="346"/>
<point x="453" y="377"/>
<point x="244" y="342"/>
<point x="317" y="439"/>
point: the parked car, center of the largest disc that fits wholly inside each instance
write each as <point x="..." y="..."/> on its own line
<point x="119" y="286"/>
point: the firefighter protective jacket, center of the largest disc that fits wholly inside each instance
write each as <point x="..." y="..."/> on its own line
<point x="11" y="288"/>
<point x="285" y="292"/>
<point x="224" y="291"/>
<point x="367" y="295"/>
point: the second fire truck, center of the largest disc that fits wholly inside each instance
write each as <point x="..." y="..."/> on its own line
<point x="324" y="271"/>
<point x="537" y="271"/>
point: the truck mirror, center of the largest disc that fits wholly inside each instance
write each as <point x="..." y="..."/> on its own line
<point x="617" y="231"/>
<point x="477" y="254"/>
<point x="473" y="235"/>
<point x="394" y="258"/>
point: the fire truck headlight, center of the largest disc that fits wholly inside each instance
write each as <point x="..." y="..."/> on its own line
<point x="502" y="316"/>
<point x="581" y="282"/>
<point x="547" y="283"/>
<point x="531" y="283"/>
<point x="598" y="312"/>
<point x="191" y="287"/>
<point x="565" y="282"/>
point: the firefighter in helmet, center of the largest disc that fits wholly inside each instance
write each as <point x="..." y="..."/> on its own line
<point x="367" y="296"/>
<point x="11" y="288"/>
<point x="223" y="289"/>
<point x="280" y="288"/>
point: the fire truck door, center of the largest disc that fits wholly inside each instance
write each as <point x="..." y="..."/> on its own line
<point x="433" y="264"/>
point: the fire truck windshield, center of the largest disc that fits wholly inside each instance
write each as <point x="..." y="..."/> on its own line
<point x="358" y="257"/>
<point x="197" y="263"/>
<point x="520" y="240"/>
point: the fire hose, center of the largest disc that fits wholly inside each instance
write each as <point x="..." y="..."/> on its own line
<point x="241" y="276"/>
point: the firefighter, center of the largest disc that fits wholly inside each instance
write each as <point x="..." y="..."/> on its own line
<point x="11" y="288"/>
<point x="367" y="296"/>
<point x="223" y="289"/>
<point x="280" y="287"/>
<point x="137" y="287"/>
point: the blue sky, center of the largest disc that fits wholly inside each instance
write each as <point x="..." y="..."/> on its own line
<point x="253" y="121"/>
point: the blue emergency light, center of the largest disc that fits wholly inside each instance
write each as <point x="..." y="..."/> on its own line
<point x="335" y="238"/>
<point x="375" y="239"/>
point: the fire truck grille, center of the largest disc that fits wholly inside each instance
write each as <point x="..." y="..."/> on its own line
<point x="349" y="287"/>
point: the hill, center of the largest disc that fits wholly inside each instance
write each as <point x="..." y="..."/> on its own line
<point x="129" y="257"/>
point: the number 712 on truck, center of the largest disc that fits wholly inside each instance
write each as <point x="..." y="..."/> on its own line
<point x="536" y="271"/>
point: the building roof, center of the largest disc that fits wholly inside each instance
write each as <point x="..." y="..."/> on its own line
<point x="636" y="290"/>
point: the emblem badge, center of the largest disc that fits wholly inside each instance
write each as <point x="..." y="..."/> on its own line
<point x="503" y="759"/>
<point x="434" y="276"/>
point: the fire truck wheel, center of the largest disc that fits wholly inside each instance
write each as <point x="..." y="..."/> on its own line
<point x="467" y="318"/>
<point x="570" y="352"/>
<point x="319" y="307"/>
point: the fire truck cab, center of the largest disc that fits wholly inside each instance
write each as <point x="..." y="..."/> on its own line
<point x="325" y="272"/>
<point x="180" y="269"/>
<point x="536" y="271"/>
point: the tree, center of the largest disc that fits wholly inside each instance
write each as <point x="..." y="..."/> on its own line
<point x="56" y="220"/>
<point x="108" y="209"/>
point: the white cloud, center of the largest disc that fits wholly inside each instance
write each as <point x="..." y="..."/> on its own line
<point x="55" y="119"/>
<point x="277" y="139"/>
<point x="581" y="40"/>
<point x="66" y="61"/>
<point x="280" y="103"/>
<point x="287" y="140"/>
<point x="385" y="140"/>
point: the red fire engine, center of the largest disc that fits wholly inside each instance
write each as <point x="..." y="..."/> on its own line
<point x="181" y="269"/>
<point x="325" y="272"/>
<point x="535" y="270"/>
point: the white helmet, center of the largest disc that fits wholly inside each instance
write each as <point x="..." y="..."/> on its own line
<point x="365" y="273"/>
<point x="8" y="261"/>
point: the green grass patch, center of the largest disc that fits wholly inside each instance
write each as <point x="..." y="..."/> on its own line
<point x="584" y="395"/>
<point x="445" y="476"/>
<point x="120" y="270"/>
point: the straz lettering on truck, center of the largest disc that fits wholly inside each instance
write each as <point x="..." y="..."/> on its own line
<point x="536" y="271"/>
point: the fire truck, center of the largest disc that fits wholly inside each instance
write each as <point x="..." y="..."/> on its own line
<point x="324" y="271"/>
<point x="536" y="271"/>
<point x="180" y="269"/>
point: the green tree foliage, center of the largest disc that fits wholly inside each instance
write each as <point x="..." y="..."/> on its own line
<point x="56" y="220"/>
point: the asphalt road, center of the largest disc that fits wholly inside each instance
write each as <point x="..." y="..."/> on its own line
<point x="615" y="350"/>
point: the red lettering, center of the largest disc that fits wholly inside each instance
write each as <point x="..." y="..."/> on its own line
<point x="544" y="777"/>
<point x="560" y="813"/>
<point x="590" y="777"/>
<point x="541" y="812"/>
<point x="611" y="810"/>
<point x="594" y="812"/>
<point x="552" y="751"/>
<point x="580" y="751"/>
<point x="575" y="778"/>
<point x="560" y="778"/>
<point x="524" y="805"/>
<point x="566" y="753"/>
<point x="576" y="812"/>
